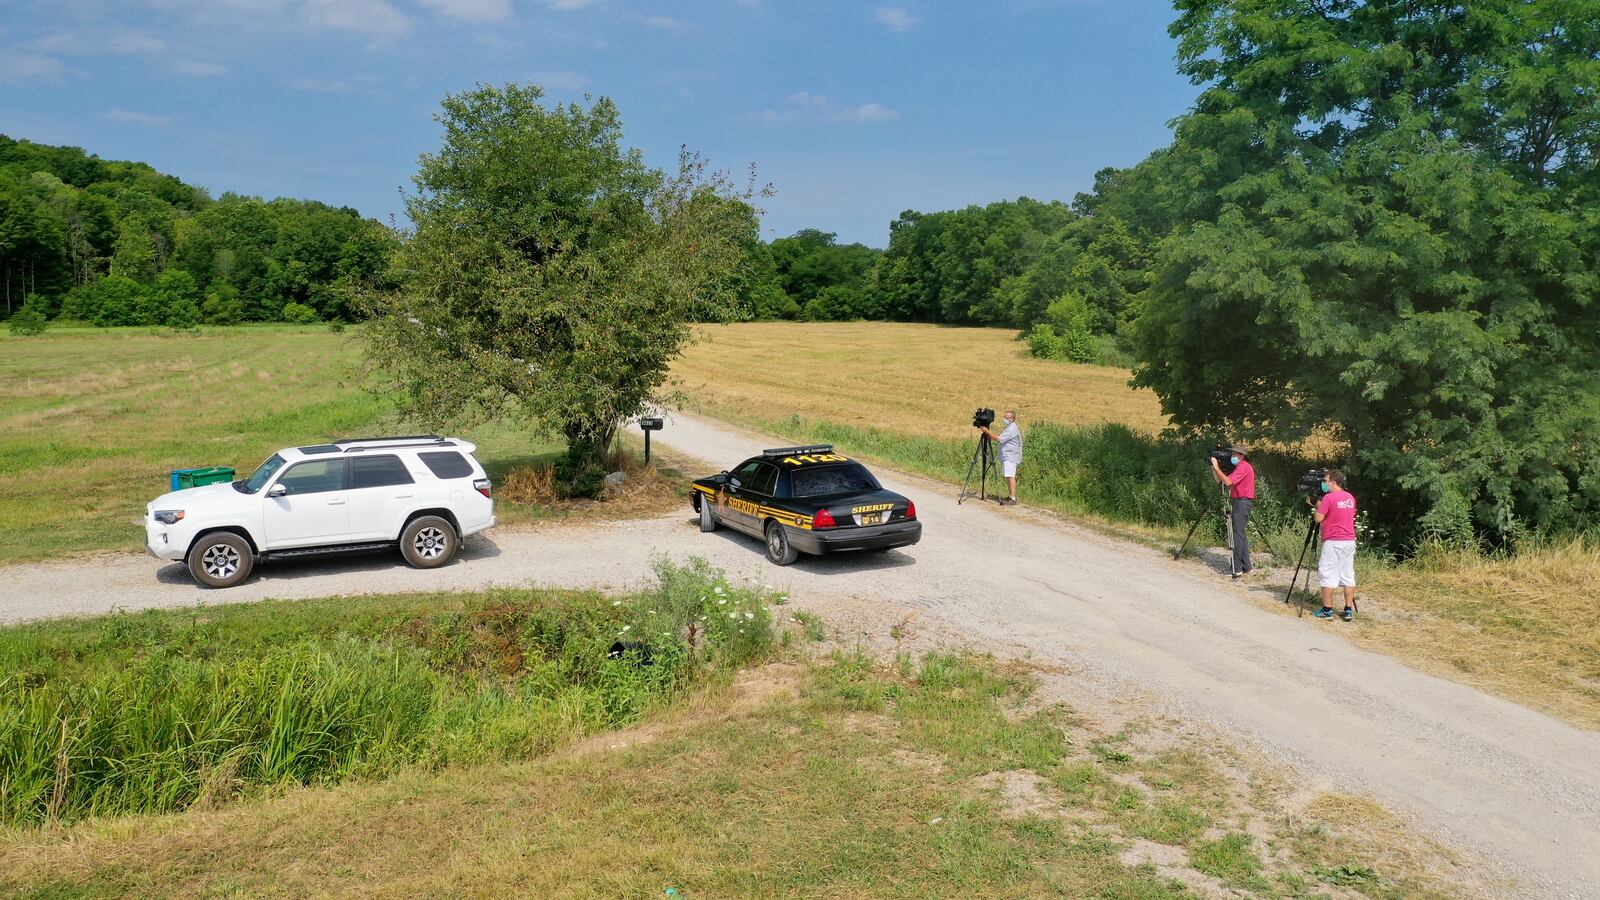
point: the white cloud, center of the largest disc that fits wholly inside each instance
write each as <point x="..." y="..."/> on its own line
<point x="19" y="67"/>
<point x="114" y="43"/>
<point x="665" y="23"/>
<point x="130" y="43"/>
<point x="563" y="79"/>
<point x="869" y="112"/>
<point x="806" y="106"/>
<point x="895" y="18"/>
<point x="129" y="117"/>
<point x="377" y="19"/>
<point x="569" y="4"/>
<point x="320" y="85"/>
<point x="199" y="69"/>
<point x="374" y="18"/>
<point x="472" y="10"/>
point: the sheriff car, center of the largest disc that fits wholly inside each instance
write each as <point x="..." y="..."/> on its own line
<point x="806" y="500"/>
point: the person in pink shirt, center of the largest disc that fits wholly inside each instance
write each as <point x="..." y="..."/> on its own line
<point x="1337" y="568"/>
<point x="1241" y="484"/>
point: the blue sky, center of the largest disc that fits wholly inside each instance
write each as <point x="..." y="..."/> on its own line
<point x="853" y="111"/>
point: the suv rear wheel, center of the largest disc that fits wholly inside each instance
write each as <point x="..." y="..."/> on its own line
<point x="221" y="559"/>
<point x="428" y="542"/>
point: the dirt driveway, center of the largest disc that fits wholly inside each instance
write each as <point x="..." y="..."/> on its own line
<point x="1516" y="786"/>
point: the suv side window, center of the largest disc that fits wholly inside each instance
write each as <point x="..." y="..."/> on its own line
<point x="446" y="464"/>
<point x="377" y="471"/>
<point x="315" y="477"/>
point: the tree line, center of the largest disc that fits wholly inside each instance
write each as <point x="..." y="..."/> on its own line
<point x="118" y="243"/>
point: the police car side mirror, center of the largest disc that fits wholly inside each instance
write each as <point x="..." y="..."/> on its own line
<point x="733" y="481"/>
<point x="720" y="477"/>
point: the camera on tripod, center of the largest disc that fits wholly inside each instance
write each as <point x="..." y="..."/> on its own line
<point x="1312" y="484"/>
<point x="983" y="418"/>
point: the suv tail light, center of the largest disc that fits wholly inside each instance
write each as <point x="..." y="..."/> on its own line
<point x="911" y="510"/>
<point x="482" y="486"/>
<point x="823" y="519"/>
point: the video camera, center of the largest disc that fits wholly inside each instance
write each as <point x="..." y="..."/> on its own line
<point x="983" y="418"/>
<point x="1223" y="454"/>
<point x="1311" y="484"/>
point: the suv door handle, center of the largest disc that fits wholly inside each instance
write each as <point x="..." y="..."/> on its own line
<point x="403" y="496"/>
<point x="335" y="502"/>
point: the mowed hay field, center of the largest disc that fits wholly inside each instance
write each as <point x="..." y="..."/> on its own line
<point x="93" y="420"/>
<point x="922" y="380"/>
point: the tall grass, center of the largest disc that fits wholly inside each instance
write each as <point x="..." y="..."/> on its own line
<point x="159" y="712"/>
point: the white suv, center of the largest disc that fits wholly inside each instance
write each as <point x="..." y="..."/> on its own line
<point x="423" y="492"/>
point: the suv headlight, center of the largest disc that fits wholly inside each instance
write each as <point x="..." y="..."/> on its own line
<point x="169" y="516"/>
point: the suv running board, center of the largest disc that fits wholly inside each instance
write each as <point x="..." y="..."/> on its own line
<point x="331" y="548"/>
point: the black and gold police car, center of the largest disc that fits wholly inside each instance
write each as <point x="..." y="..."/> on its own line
<point x="806" y="500"/>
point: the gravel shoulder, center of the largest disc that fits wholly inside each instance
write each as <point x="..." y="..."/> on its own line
<point x="1518" y="790"/>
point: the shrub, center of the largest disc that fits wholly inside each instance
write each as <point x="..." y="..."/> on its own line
<point x="27" y="321"/>
<point x="222" y="306"/>
<point x="299" y="314"/>
<point x="182" y="315"/>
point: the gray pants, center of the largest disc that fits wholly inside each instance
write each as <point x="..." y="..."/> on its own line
<point x="1240" y="510"/>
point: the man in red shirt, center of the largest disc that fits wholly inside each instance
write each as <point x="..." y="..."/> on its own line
<point x="1337" y="568"/>
<point x="1241" y="484"/>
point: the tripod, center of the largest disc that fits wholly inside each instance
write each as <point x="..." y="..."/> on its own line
<point x="983" y="462"/>
<point x="1227" y="527"/>
<point x="1305" y="547"/>
<point x="1312" y="537"/>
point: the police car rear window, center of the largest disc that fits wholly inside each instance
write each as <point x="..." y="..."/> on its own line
<point x="447" y="464"/>
<point x="818" y="481"/>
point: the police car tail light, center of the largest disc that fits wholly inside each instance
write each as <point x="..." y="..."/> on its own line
<point x="823" y="519"/>
<point x="911" y="510"/>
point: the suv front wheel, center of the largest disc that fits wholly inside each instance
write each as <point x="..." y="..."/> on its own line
<point x="428" y="542"/>
<point x="221" y="559"/>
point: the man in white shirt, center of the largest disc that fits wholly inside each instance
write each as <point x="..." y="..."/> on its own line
<point x="1010" y="441"/>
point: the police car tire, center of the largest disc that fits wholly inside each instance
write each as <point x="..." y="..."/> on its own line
<point x="708" y="522"/>
<point x="779" y="550"/>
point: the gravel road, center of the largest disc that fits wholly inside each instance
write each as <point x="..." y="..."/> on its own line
<point x="1515" y="786"/>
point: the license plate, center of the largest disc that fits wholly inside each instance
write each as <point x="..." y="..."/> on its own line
<point x="871" y="518"/>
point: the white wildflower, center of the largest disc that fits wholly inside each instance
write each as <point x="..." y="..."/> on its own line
<point x="722" y="602"/>
<point x="749" y="615"/>
<point x="625" y="628"/>
<point x="616" y="603"/>
<point x="717" y="589"/>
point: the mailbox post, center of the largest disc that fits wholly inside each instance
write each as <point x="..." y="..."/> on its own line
<point x="648" y="424"/>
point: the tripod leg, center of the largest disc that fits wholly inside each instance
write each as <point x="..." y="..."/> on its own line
<point x="1304" y="546"/>
<point x="967" y="482"/>
<point x="1185" y="545"/>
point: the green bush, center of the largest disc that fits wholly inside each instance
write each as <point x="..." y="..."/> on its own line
<point x="27" y="321"/>
<point x="156" y="711"/>
<point x="299" y="314"/>
<point x="182" y="315"/>
<point x="222" y="306"/>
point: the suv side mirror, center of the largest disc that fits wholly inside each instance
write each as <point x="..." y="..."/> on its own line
<point x="278" y="490"/>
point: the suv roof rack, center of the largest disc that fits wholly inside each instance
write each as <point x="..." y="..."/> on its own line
<point x="798" y="451"/>
<point x="319" y="448"/>
<point x="397" y="437"/>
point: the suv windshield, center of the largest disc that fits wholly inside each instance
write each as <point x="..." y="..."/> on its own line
<point x="261" y="476"/>
<point x="823" y="480"/>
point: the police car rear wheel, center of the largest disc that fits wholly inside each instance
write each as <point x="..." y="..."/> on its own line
<point x="708" y="522"/>
<point x="779" y="550"/>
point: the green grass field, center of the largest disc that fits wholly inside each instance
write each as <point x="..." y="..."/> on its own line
<point x="93" y="420"/>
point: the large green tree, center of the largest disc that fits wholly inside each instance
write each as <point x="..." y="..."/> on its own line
<point x="552" y="275"/>
<point x="1385" y="227"/>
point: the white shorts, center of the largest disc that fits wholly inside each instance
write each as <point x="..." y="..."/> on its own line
<point x="1337" y="567"/>
<point x="1008" y="468"/>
